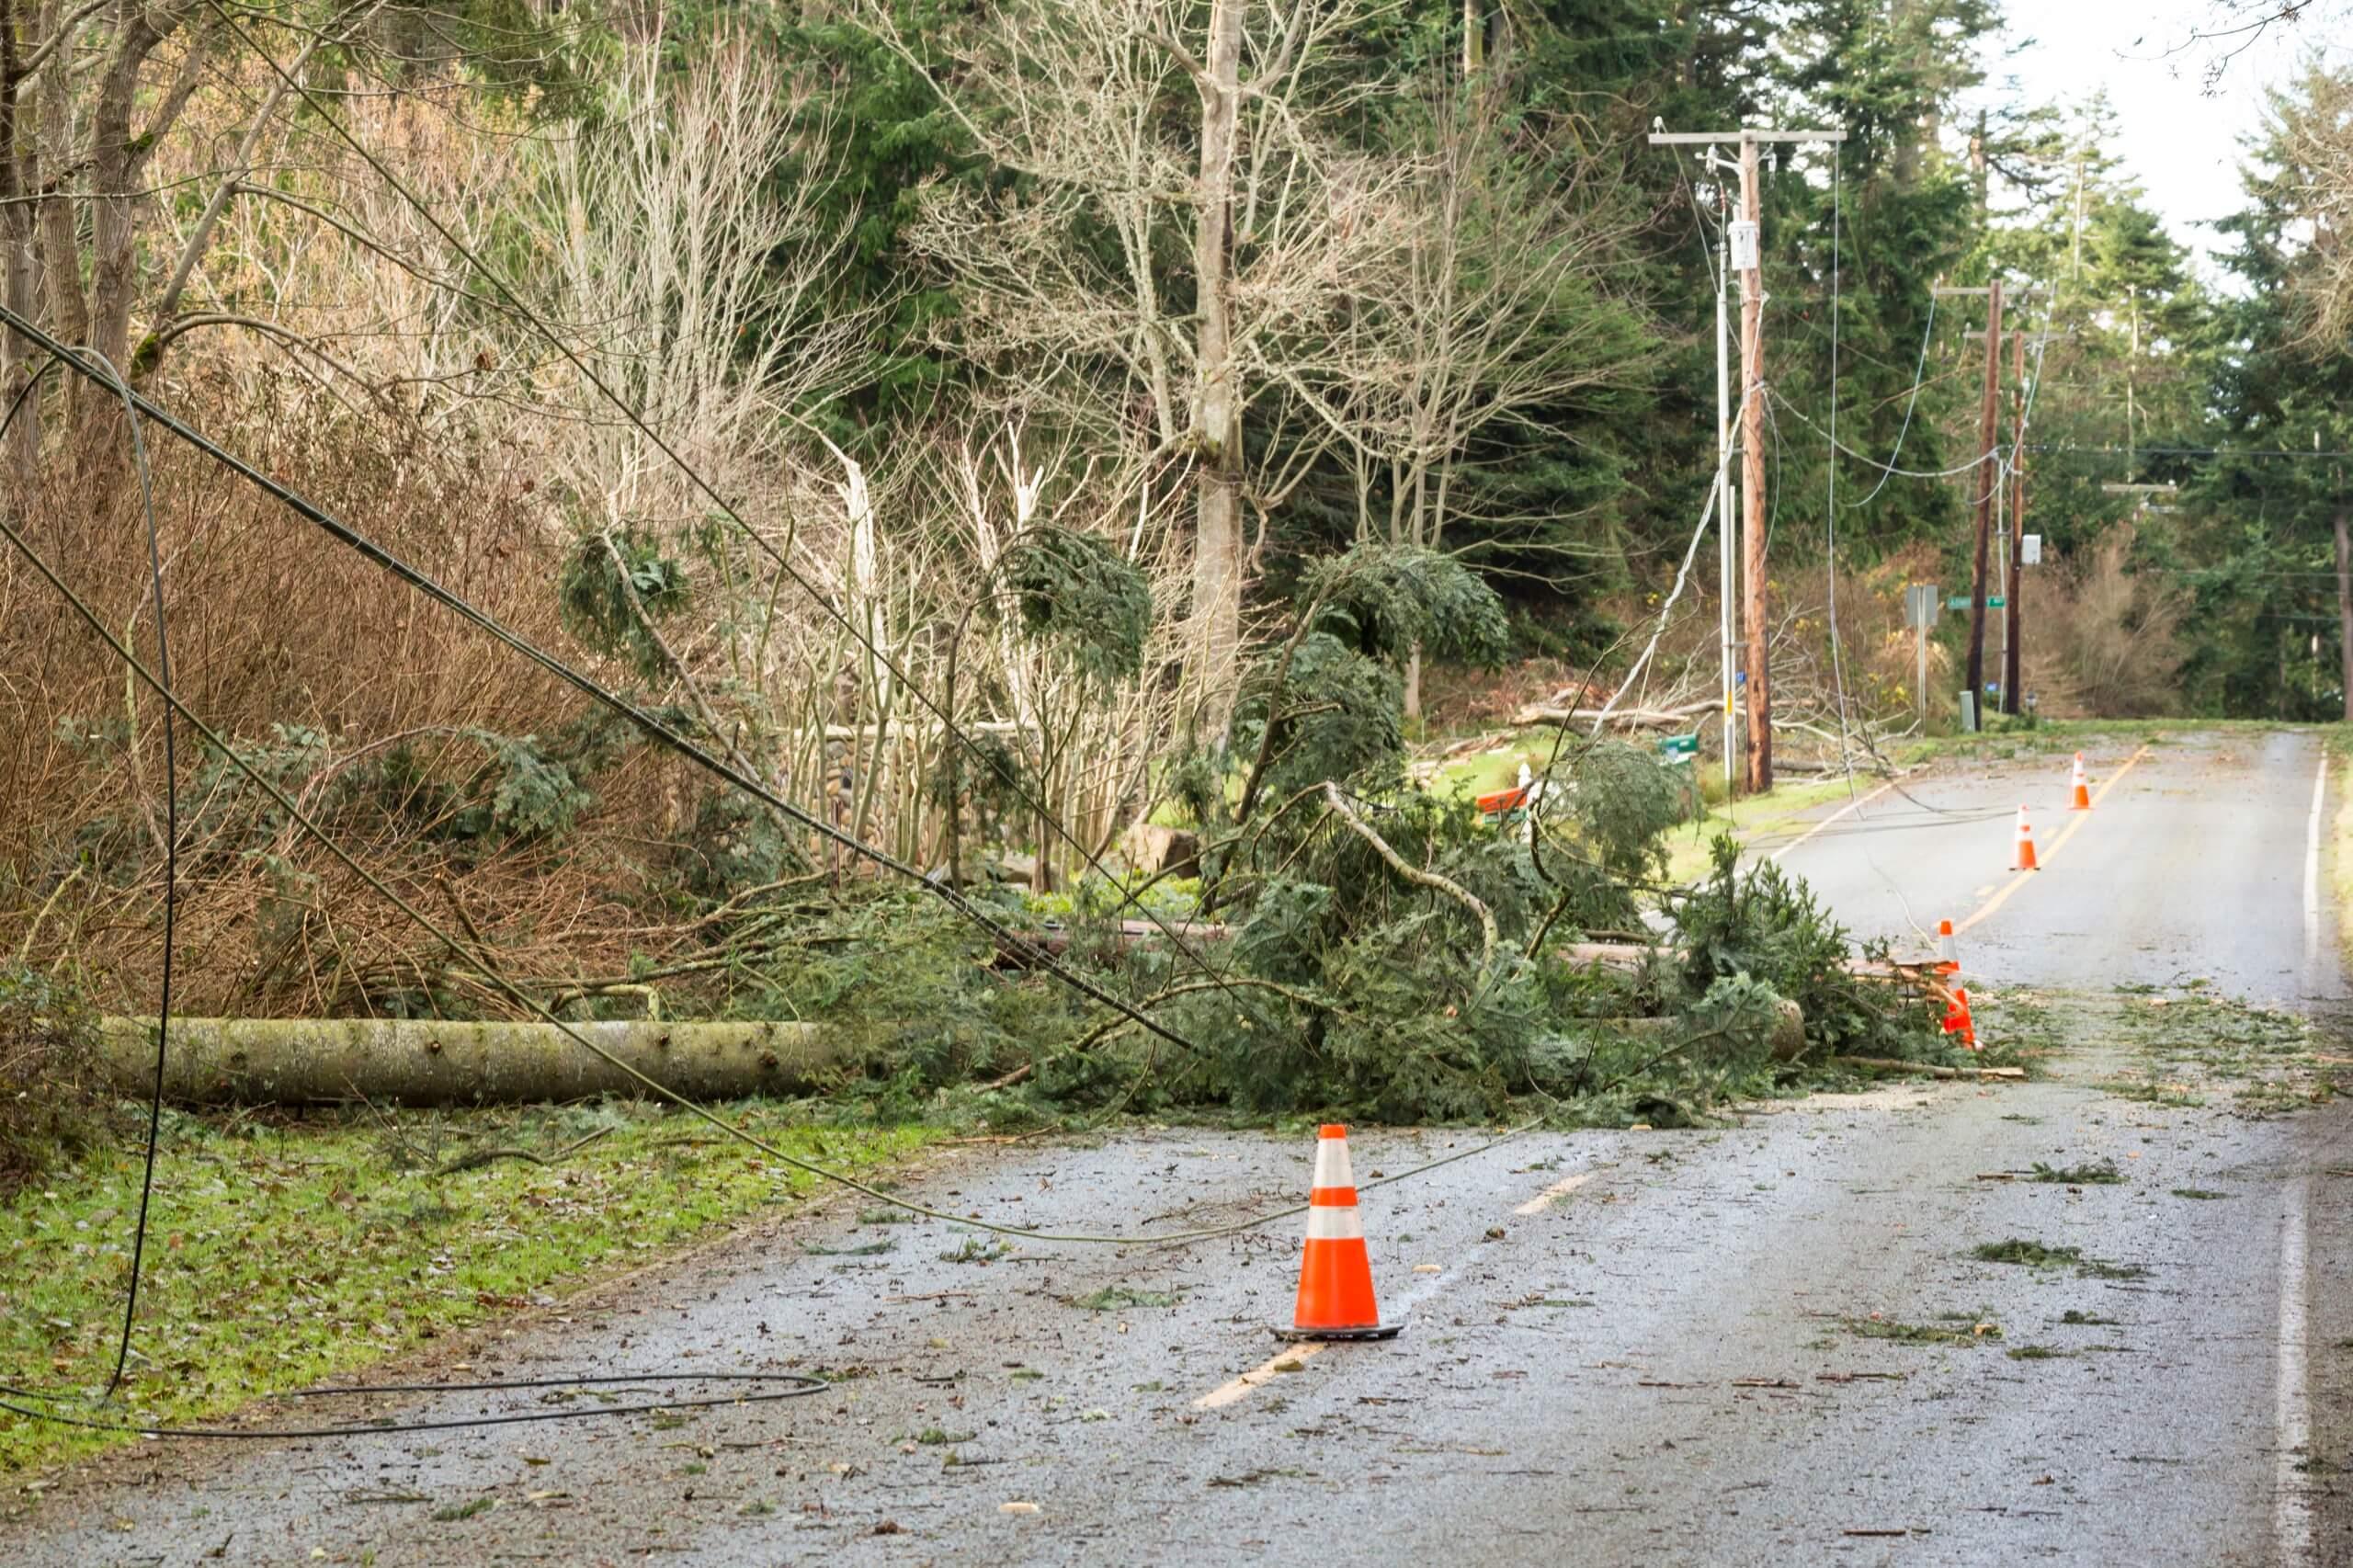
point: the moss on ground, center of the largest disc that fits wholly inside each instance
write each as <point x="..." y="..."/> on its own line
<point x="284" y="1251"/>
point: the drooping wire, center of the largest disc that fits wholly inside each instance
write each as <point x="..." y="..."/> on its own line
<point x="1919" y="376"/>
<point x="587" y="685"/>
<point x="171" y="857"/>
<point x="11" y="1393"/>
<point x="995" y="765"/>
<point x="492" y="971"/>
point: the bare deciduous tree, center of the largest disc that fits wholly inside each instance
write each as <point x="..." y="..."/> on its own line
<point x="1072" y="279"/>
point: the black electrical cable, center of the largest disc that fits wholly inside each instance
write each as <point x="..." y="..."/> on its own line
<point x="10" y="1392"/>
<point x="516" y="304"/>
<point x="345" y="534"/>
<point x="800" y="1383"/>
<point x="171" y="860"/>
<point x="530" y="1004"/>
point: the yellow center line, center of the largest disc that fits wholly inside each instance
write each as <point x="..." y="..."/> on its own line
<point x="2003" y="895"/>
<point x="1554" y="1193"/>
<point x="1229" y="1393"/>
<point x="1850" y="807"/>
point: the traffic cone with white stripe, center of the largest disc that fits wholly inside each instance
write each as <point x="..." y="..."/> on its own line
<point x="1947" y="955"/>
<point x="2024" y="859"/>
<point x="2083" y="787"/>
<point x="1957" y="1018"/>
<point x="1335" y="1299"/>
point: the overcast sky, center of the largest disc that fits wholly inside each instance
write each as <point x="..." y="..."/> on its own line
<point x="2181" y="140"/>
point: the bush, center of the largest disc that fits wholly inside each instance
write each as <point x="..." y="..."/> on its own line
<point x="1766" y="926"/>
<point x="49" y="1101"/>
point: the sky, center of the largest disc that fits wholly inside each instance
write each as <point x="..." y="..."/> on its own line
<point x="2179" y="138"/>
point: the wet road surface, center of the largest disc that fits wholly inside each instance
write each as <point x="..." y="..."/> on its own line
<point x="1762" y="1345"/>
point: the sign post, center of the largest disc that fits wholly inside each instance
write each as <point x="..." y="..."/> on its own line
<point x="1921" y="605"/>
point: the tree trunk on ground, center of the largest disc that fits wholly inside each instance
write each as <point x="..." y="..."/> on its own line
<point x="1217" y="405"/>
<point x="420" y="1062"/>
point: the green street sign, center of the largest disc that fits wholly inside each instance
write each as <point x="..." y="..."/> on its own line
<point x="1960" y="601"/>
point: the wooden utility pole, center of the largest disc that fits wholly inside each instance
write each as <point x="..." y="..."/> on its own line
<point x="1752" y="479"/>
<point x="2014" y="638"/>
<point x="1746" y="243"/>
<point x="1989" y="479"/>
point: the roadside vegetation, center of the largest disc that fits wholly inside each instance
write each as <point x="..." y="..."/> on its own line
<point x="285" y="1250"/>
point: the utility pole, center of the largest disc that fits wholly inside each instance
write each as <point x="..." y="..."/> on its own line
<point x="2014" y="624"/>
<point x="1745" y="245"/>
<point x="1725" y="575"/>
<point x="1989" y="479"/>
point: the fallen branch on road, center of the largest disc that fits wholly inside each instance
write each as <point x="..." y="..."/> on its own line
<point x="1886" y="1065"/>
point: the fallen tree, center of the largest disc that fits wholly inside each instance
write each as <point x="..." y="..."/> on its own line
<point x="428" y="1063"/>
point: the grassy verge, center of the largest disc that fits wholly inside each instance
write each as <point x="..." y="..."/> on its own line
<point x="2060" y="736"/>
<point x="282" y="1252"/>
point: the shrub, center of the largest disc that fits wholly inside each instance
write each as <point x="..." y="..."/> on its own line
<point x="49" y="1091"/>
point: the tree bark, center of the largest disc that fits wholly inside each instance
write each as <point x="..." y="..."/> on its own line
<point x="421" y="1061"/>
<point x="1752" y="486"/>
<point x="23" y="457"/>
<point x="1217" y="545"/>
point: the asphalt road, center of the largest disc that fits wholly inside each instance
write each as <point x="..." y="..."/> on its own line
<point x="1620" y="1348"/>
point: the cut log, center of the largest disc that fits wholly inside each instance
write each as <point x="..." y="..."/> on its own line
<point x="1633" y="717"/>
<point x="424" y="1062"/>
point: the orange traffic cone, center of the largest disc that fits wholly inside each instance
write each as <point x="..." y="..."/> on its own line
<point x="1336" y="1277"/>
<point x="1948" y="958"/>
<point x="2083" y="787"/>
<point x="2024" y="860"/>
<point x="1957" y="1018"/>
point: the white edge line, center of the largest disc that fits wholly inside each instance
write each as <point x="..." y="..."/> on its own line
<point x="1227" y="1394"/>
<point x="1825" y="822"/>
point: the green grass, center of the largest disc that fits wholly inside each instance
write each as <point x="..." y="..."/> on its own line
<point x="2037" y="1254"/>
<point x="283" y="1252"/>
<point x="1957" y="1329"/>
<point x="2102" y="1173"/>
<point x="1116" y="1298"/>
<point x="2034" y="1255"/>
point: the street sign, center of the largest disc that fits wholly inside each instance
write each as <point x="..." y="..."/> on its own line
<point x="2030" y="549"/>
<point x="1960" y="601"/>
<point x="1920" y="605"/>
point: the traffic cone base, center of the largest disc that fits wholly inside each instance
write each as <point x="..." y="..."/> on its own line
<point x="1336" y="1300"/>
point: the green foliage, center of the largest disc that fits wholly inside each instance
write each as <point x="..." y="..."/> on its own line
<point x="735" y="844"/>
<point x="1385" y="601"/>
<point x="1080" y="596"/>
<point x="608" y="580"/>
<point x="1763" y="923"/>
<point x="1328" y="712"/>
